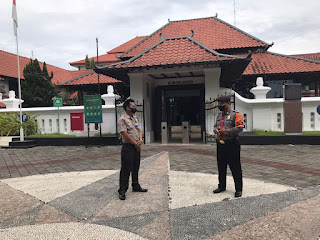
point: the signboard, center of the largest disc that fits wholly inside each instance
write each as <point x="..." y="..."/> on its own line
<point x="318" y="109"/>
<point x="57" y="102"/>
<point x="25" y="117"/>
<point x="92" y="108"/>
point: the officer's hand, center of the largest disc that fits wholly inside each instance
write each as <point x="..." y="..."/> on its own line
<point x="138" y="147"/>
<point x="139" y="142"/>
<point x="216" y="131"/>
<point x="222" y="131"/>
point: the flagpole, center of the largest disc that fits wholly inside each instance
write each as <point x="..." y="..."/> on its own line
<point x="19" y="89"/>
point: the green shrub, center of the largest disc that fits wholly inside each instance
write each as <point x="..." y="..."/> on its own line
<point x="10" y="124"/>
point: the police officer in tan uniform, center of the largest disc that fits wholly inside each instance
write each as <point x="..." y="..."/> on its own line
<point x="227" y="127"/>
<point x="130" y="153"/>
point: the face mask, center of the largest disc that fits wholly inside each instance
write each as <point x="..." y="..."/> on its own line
<point x="221" y="107"/>
<point x="133" y="110"/>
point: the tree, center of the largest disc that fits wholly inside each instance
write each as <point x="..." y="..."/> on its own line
<point x="92" y="63"/>
<point x="87" y="62"/>
<point x="37" y="89"/>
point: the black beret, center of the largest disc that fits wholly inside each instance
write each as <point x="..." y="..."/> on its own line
<point x="224" y="99"/>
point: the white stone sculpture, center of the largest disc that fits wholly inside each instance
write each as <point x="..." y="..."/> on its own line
<point x="110" y="97"/>
<point x="260" y="91"/>
<point x="12" y="102"/>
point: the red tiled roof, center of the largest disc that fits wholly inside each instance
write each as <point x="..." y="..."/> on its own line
<point x="105" y="58"/>
<point x="74" y="95"/>
<point x="273" y="63"/>
<point x="127" y="45"/>
<point x="173" y="51"/>
<point x="212" y="32"/>
<point x="311" y="56"/>
<point x="8" y="67"/>
<point x="110" y="57"/>
<point x="85" y="77"/>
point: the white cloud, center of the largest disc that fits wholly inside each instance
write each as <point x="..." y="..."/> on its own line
<point x="62" y="31"/>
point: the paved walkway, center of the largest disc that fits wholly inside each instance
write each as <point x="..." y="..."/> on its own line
<point x="70" y="193"/>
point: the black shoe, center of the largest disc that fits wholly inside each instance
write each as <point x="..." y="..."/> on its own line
<point x="219" y="190"/>
<point x="237" y="194"/>
<point x="122" y="196"/>
<point x="139" y="189"/>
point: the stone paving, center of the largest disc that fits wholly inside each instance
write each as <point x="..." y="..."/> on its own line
<point x="71" y="193"/>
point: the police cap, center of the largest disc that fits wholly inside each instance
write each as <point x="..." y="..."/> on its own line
<point x="226" y="99"/>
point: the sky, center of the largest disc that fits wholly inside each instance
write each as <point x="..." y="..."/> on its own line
<point x="61" y="31"/>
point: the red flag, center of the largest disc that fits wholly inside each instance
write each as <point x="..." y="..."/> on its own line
<point x="14" y="17"/>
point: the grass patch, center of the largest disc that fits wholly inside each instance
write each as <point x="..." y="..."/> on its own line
<point x="51" y="135"/>
<point x="278" y="133"/>
<point x="268" y="133"/>
<point x="311" y="133"/>
<point x="102" y="135"/>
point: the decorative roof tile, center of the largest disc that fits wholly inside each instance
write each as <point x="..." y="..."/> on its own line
<point x="311" y="56"/>
<point x="127" y="45"/>
<point x="111" y="55"/>
<point x="212" y="32"/>
<point x="173" y="51"/>
<point x="9" y="67"/>
<point x="274" y="63"/>
<point x="86" y="77"/>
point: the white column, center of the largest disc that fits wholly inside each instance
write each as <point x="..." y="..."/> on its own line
<point x="212" y="82"/>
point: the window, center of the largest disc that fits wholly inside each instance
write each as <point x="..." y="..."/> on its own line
<point x="43" y="126"/>
<point x="50" y="125"/>
<point x="279" y="121"/>
<point x="245" y="120"/>
<point x="312" y="122"/>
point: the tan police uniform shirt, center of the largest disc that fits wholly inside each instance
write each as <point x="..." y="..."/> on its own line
<point x="233" y="124"/>
<point x="131" y="126"/>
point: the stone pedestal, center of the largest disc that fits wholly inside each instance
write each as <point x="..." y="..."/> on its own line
<point x="11" y="102"/>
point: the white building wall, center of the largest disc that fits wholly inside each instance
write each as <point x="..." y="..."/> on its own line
<point x="47" y="115"/>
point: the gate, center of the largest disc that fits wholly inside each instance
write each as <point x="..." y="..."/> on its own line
<point x="119" y="111"/>
<point x="210" y="112"/>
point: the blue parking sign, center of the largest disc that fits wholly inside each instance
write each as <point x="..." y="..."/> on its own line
<point x="318" y="109"/>
<point x="25" y="117"/>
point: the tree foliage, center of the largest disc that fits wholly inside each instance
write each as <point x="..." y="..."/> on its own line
<point x="92" y="63"/>
<point x="89" y="64"/>
<point x="37" y="89"/>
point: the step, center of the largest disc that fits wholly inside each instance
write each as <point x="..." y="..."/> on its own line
<point x="21" y="144"/>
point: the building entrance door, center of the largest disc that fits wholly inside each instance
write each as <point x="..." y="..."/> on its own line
<point x="179" y="104"/>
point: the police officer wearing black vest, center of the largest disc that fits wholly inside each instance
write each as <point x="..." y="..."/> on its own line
<point x="130" y="153"/>
<point x="228" y="125"/>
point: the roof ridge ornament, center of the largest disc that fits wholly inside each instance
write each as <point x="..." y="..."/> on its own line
<point x="192" y="32"/>
<point x="162" y="38"/>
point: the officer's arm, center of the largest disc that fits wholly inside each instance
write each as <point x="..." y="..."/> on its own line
<point x="128" y="138"/>
<point x="238" y="126"/>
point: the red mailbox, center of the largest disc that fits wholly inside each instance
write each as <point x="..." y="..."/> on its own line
<point x="76" y="120"/>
